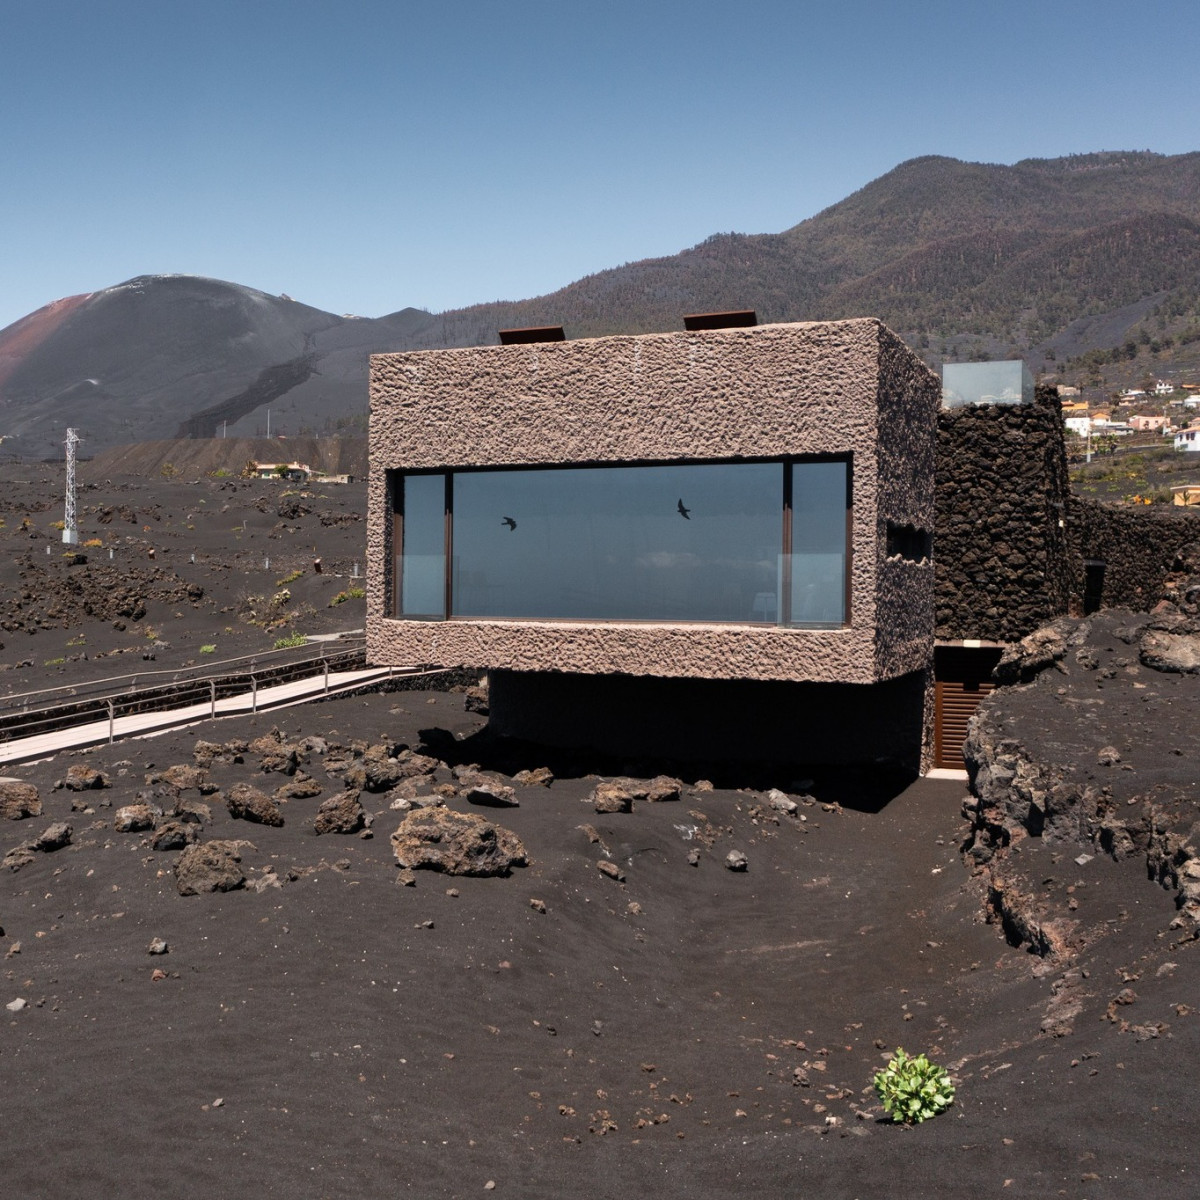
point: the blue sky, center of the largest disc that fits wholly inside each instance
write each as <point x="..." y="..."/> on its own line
<point x="370" y="155"/>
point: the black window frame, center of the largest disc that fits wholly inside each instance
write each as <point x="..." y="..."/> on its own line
<point x="786" y="462"/>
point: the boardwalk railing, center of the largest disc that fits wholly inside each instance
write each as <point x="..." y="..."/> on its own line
<point x="54" y="709"/>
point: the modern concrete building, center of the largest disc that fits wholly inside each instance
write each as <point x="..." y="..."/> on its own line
<point x="645" y="540"/>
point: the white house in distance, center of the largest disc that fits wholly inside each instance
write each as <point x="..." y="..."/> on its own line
<point x="1188" y="439"/>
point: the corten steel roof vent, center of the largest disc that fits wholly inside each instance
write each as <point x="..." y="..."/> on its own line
<point x="533" y="333"/>
<point x="720" y="320"/>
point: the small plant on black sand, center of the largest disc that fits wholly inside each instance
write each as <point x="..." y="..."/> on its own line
<point x="351" y="593"/>
<point x="912" y="1090"/>
<point x="292" y="640"/>
<point x="291" y="577"/>
<point x="209" y="649"/>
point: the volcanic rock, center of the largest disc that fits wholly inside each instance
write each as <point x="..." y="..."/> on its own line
<point x="340" y="814"/>
<point x="537" y="777"/>
<point x="133" y="818"/>
<point x="612" y="797"/>
<point x="375" y="773"/>
<point x="660" y="789"/>
<point x="246" y="803"/>
<point x="53" y="837"/>
<point x="299" y="787"/>
<point x="620" y="792"/>
<point x="781" y="802"/>
<point x="18" y="857"/>
<point x="1163" y="650"/>
<point x="209" y="867"/>
<point x="274" y="754"/>
<point x="80" y="778"/>
<point x="290" y="508"/>
<point x="491" y="794"/>
<point x="174" y="835"/>
<point x="1025" y="659"/>
<point x="456" y="843"/>
<point x="18" y="800"/>
<point x="207" y="753"/>
<point x="410" y="789"/>
<point x="184" y="776"/>
<point x="193" y="811"/>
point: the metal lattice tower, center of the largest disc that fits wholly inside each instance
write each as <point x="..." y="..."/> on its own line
<point x="70" y="531"/>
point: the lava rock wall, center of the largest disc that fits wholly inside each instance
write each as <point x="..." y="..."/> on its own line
<point x="1138" y="547"/>
<point x="1004" y="558"/>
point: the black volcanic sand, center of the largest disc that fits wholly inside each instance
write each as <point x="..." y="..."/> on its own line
<point x="224" y="552"/>
<point x="357" y="1051"/>
<point x="342" y="1035"/>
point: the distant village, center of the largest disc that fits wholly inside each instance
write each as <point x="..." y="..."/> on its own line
<point x="1146" y="415"/>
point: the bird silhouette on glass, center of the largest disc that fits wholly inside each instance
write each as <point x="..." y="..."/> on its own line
<point x="509" y="522"/>
<point x="683" y="512"/>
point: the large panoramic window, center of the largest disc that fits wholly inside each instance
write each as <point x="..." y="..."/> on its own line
<point x="747" y="543"/>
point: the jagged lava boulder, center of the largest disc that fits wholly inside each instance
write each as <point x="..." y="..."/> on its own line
<point x="437" y="839"/>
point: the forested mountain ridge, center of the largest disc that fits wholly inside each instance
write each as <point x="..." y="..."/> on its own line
<point x="1088" y="266"/>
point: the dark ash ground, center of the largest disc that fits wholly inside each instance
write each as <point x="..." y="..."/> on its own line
<point x="356" y="1049"/>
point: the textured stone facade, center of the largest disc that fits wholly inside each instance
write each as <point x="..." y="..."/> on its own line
<point x="1003" y="542"/>
<point x="836" y="388"/>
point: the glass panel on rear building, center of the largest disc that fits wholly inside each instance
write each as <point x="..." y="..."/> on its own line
<point x="423" y="555"/>
<point x="691" y="542"/>
<point x="986" y="383"/>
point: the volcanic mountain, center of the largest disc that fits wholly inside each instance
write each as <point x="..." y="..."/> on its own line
<point x="1087" y="265"/>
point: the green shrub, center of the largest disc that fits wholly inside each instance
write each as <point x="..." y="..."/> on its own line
<point x="291" y="578"/>
<point x="912" y="1090"/>
<point x="351" y="593"/>
<point x="292" y="639"/>
<point x="209" y="649"/>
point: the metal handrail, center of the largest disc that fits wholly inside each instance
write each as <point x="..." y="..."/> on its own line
<point x="200" y="671"/>
<point x="168" y="696"/>
<point x="333" y="686"/>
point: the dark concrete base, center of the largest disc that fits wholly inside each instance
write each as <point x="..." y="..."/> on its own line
<point x="715" y="720"/>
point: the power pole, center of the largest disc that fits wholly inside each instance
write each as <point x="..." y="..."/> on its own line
<point x="70" y="530"/>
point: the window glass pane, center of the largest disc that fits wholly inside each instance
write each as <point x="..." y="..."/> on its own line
<point x="819" y="495"/>
<point x="423" y="555"/>
<point x="697" y="542"/>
